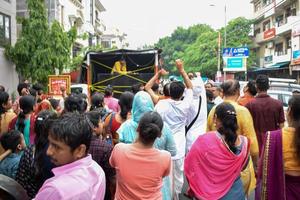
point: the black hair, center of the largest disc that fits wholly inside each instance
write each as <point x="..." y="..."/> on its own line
<point x="294" y="114"/>
<point x="26" y="105"/>
<point x="125" y="103"/>
<point x="262" y="82"/>
<point x="176" y="89"/>
<point x="38" y="87"/>
<point x="97" y="101"/>
<point x="230" y="87"/>
<point x="96" y="115"/>
<point x="136" y="88"/>
<point x="2" y="88"/>
<point x="155" y="87"/>
<point x="11" y="140"/>
<point x="108" y="91"/>
<point x="209" y="95"/>
<point x="33" y="92"/>
<point x="73" y="129"/>
<point x="54" y="103"/>
<point x="75" y="103"/>
<point x="4" y="97"/>
<point x="21" y="86"/>
<point x="42" y="125"/>
<point x="166" y="89"/>
<point x="150" y="127"/>
<point x="225" y="112"/>
<point x="251" y="88"/>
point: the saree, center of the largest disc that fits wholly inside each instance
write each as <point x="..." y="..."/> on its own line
<point x="273" y="183"/>
<point x="212" y="170"/>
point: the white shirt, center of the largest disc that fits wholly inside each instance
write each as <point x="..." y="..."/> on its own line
<point x="218" y="100"/>
<point x="199" y="127"/>
<point x="175" y="114"/>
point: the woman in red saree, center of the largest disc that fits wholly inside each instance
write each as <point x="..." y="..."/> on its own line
<point x="216" y="159"/>
<point x="279" y="170"/>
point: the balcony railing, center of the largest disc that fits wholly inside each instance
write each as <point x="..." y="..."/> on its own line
<point x="266" y="11"/>
<point x="282" y="56"/>
<point x="286" y="25"/>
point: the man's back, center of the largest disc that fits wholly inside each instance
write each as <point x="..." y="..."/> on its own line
<point x="267" y="114"/>
<point x="82" y="179"/>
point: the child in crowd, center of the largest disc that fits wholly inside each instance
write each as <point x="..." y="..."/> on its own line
<point x="13" y="141"/>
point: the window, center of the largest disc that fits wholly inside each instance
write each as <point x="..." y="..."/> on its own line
<point x="5" y="30"/>
<point x="279" y="49"/>
<point x="266" y="25"/>
<point x="257" y="31"/>
<point x="105" y="44"/>
<point x="257" y="6"/>
<point x="288" y="43"/>
<point x="267" y="2"/>
<point x="97" y="15"/>
<point x="280" y="21"/>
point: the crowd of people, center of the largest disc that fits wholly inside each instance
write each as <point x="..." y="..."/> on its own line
<point x="150" y="142"/>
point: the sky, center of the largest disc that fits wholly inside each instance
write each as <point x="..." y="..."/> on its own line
<point x="145" y="21"/>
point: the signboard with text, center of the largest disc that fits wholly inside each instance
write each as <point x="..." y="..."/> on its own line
<point x="236" y="52"/>
<point x="296" y="57"/>
<point x="268" y="34"/>
<point x="235" y="64"/>
<point x="56" y="82"/>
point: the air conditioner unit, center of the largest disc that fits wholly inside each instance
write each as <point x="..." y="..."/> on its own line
<point x="270" y="45"/>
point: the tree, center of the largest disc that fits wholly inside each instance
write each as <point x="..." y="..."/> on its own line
<point x="198" y="45"/>
<point x="40" y="49"/>
<point x="174" y="46"/>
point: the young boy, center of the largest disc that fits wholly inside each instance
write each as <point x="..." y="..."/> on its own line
<point x="13" y="141"/>
<point x="77" y="175"/>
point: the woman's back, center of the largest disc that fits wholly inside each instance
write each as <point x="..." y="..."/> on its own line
<point x="139" y="171"/>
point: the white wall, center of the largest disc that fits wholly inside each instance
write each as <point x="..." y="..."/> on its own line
<point x="8" y="75"/>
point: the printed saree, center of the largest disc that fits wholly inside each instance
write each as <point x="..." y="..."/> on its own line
<point x="272" y="181"/>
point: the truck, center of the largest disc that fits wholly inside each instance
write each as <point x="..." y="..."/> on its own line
<point x="96" y="69"/>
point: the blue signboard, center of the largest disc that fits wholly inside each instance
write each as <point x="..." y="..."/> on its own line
<point x="235" y="62"/>
<point x="236" y="52"/>
<point x="296" y="54"/>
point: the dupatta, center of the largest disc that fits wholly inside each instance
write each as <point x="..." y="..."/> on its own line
<point x="211" y="168"/>
<point x="271" y="173"/>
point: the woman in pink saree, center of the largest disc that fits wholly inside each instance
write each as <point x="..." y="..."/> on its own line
<point x="216" y="159"/>
<point x="279" y="169"/>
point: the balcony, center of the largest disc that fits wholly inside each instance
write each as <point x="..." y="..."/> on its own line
<point x="78" y="3"/>
<point x="285" y="56"/>
<point x="99" y="6"/>
<point x="99" y="26"/>
<point x="259" y="38"/>
<point x="264" y="12"/>
<point x="286" y="25"/>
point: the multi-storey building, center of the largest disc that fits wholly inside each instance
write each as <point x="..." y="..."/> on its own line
<point x="274" y="43"/>
<point x="114" y="38"/>
<point x="84" y="14"/>
<point x="8" y="74"/>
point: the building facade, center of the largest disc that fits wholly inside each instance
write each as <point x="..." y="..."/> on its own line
<point x="8" y="75"/>
<point x="274" y="24"/>
<point x="114" y="38"/>
<point x="83" y="14"/>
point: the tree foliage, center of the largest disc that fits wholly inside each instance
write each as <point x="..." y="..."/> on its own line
<point x="198" y="45"/>
<point x="40" y="49"/>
